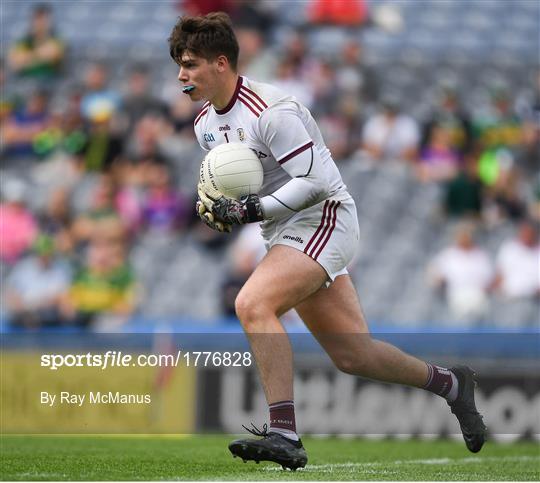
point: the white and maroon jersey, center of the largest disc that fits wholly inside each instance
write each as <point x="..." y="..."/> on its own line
<point x="298" y="168"/>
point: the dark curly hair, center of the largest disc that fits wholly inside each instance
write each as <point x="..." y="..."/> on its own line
<point x="207" y="37"/>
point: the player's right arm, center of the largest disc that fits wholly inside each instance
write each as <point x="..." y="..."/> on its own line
<point x="282" y="130"/>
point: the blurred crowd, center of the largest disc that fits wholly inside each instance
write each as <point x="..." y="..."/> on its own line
<point x="89" y="170"/>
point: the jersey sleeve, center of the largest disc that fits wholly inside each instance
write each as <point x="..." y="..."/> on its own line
<point x="284" y="133"/>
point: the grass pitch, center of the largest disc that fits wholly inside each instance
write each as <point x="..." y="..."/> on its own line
<point x="207" y="458"/>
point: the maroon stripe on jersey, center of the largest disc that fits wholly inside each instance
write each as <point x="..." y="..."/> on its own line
<point x="231" y="103"/>
<point x="334" y="217"/>
<point x="325" y="230"/>
<point x="256" y="95"/>
<point x="255" y="106"/>
<point x="201" y="114"/>
<point x="319" y="228"/>
<point x="296" y="152"/>
<point x="249" y="106"/>
<point x="247" y="95"/>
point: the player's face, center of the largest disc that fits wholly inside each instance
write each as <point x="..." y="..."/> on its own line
<point x="199" y="73"/>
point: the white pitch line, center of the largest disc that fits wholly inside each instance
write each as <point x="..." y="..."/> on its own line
<point x="330" y="467"/>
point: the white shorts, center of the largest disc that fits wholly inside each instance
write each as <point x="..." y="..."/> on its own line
<point x="327" y="232"/>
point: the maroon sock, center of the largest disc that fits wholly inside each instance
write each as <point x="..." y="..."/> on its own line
<point x="440" y="380"/>
<point x="282" y="416"/>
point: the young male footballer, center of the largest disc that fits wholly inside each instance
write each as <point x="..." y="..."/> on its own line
<point x="309" y="224"/>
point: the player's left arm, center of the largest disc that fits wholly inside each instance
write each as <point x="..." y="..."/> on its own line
<point x="287" y="138"/>
<point x="282" y="130"/>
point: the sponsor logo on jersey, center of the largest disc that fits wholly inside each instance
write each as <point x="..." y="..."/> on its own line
<point x="209" y="137"/>
<point x="241" y="134"/>
<point x="293" y="238"/>
<point x="259" y="154"/>
<point x="225" y="128"/>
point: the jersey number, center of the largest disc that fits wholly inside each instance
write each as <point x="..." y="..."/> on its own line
<point x="226" y="137"/>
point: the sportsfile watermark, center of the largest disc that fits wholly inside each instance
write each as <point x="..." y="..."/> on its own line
<point x="114" y="358"/>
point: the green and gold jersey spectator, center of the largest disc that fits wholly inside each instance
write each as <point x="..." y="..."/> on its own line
<point x="501" y="128"/>
<point x="39" y="54"/>
<point x="98" y="292"/>
<point x="104" y="287"/>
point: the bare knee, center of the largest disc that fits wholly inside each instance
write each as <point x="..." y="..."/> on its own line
<point x="349" y="363"/>
<point x="250" y="310"/>
<point x="355" y="360"/>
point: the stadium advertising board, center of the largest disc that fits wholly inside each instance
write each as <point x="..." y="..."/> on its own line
<point x="333" y="403"/>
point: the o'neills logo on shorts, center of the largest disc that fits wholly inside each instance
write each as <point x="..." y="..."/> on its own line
<point x="293" y="238"/>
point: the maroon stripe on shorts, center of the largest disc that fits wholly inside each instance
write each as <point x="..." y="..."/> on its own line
<point x="334" y="217"/>
<point x="321" y="224"/>
<point x="323" y="233"/>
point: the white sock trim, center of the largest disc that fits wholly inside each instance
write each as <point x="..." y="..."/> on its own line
<point x="285" y="432"/>
<point x="453" y="393"/>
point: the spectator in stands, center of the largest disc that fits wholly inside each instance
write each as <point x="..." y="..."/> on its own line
<point x="40" y="53"/>
<point x="296" y="51"/>
<point x="149" y="134"/>
<point x="252" y="15"/>
<point x="101" y="214"/>
<point x="163" y="208"/>
<point x="323" y="87"/>
<point x="98" y="101"/>
<point x="103" y="145"/>
<point x="138" y="100"/>
<point x="438" y="161"/>
<point x="354" y="77"/>
<point x="499" y="136"/>
<point x="104" y="291"/>
<point x="527" y="152"/>
<point x="10" y="100"/>
<point x="56" y="219"/>
<point x="352" y="13"/>
<point x="506" y="197"/>
<point x="23" y="127"/>
<point x="288" y="80"/>
<point x="18" y="227"/>
<point x="256" y="60"/>
<point x="465" y="272"/>
<point x="449" y="115"/>
<point x="518" y="264"/>
<point x="500" y="126"/>
<point x="130" y="179"/>
<point x="464" y="193"/>
<point x="182" y="114"/>
<point x="390" y="135"/>
<point x="36" y="285"/>
<point x="341" y="127"/>
<point x="504" y="188"/>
